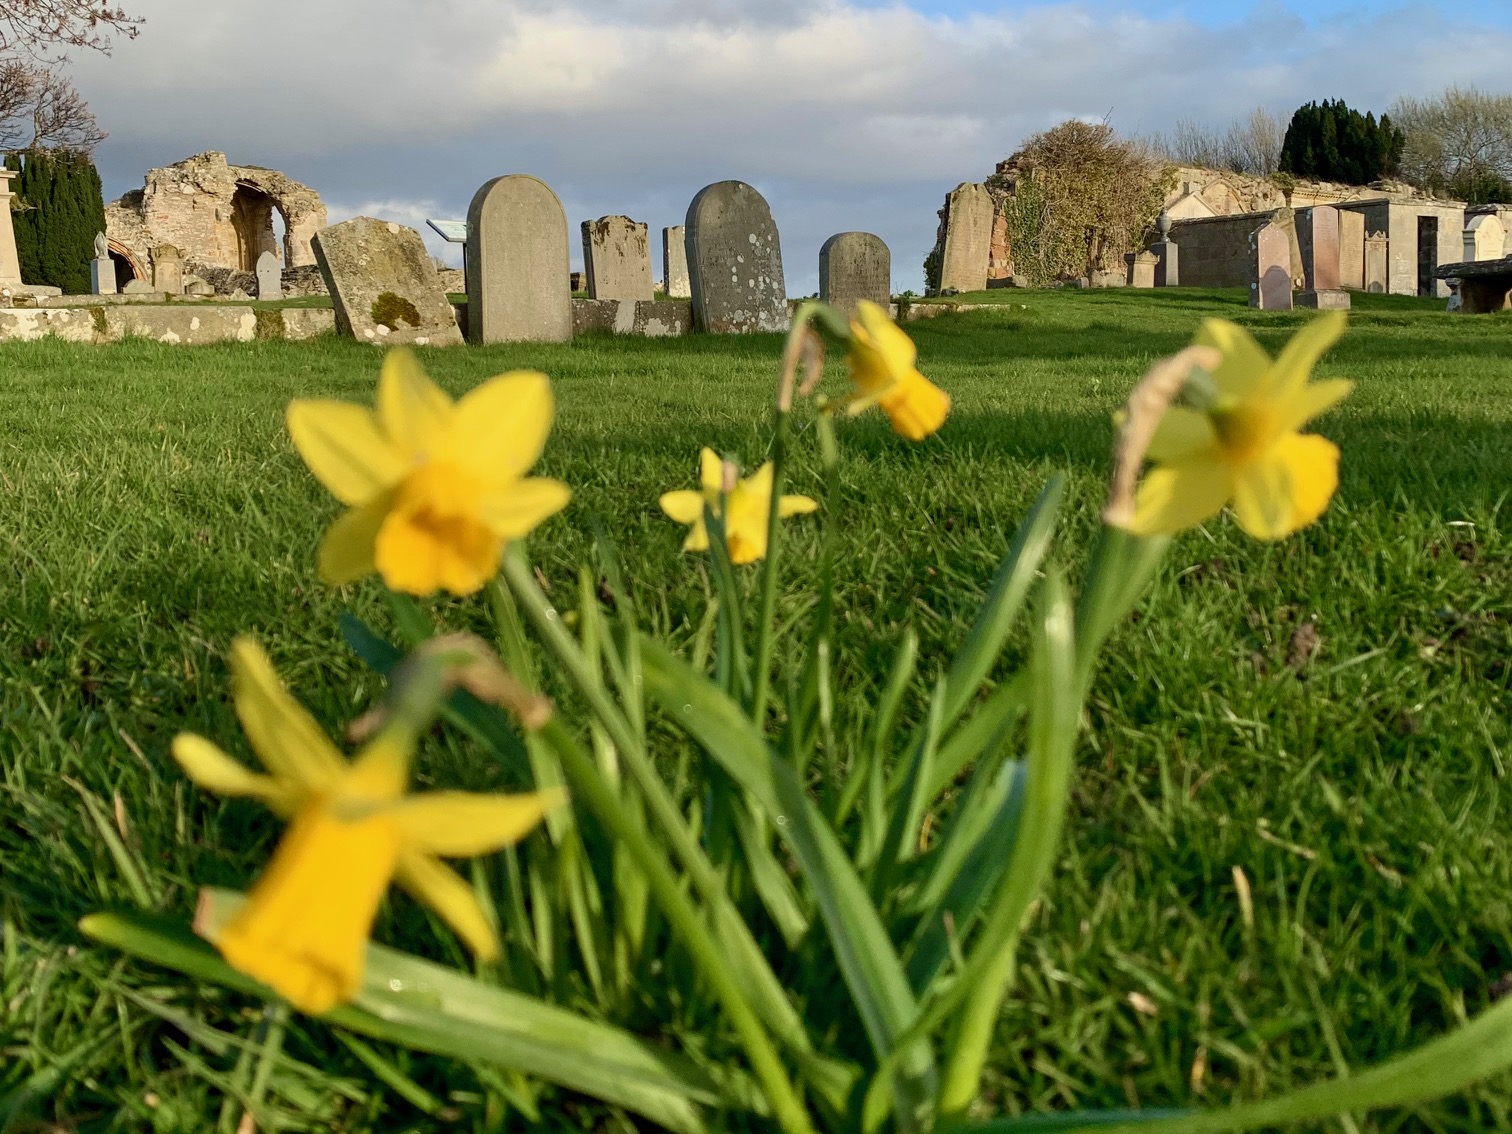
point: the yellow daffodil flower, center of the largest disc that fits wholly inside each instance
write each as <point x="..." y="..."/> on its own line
<point x="435" y="488"/>
<point x="750" y="501"/>
<point x="1244" y="448"/>
<point x="304" y="928"/>
<point x="882" y="370"/>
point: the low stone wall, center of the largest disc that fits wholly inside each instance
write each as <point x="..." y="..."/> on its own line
<point x="187" y="324"/>
<point x="1215" y="250"/>
<point x="651" y="318"/>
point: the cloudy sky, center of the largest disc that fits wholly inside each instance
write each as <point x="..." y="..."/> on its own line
<point x="846" y="114"/>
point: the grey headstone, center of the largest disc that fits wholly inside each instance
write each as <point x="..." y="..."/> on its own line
<point x="1141" y="268"/>
<point x="1351" y="249"/>
<point x="102" y="276"/>
<point x="198" y="287"/>
<point x="168" y="269"/>
<point x="518" y="283"/>
<point x="968" y="238"/>
<point x="383" y="284"/>
<point x="1375" y="262"/>
<point x="1270" y="269"/>
<point x="855" y="266"/>
<point x="269" y="277"/>
<point x="1318" y="241"/>
<point x="617" y="258"/>
<point x="675" y="262"/>
<point x="735" y="261"/>
<point x="138" y="287"/>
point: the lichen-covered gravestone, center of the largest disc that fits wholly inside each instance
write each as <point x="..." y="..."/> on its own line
<point x="675" y="262"/>
<point x="383" y="285"/>
<point x="168" y="269"/>
<point x="735" y="261"/>
<point x="854" y="266"/>
<point x="617" y="256"/>
<point x="518" y="282"/>
<point x="968" y="238"/>
<point x="269" y="277"/>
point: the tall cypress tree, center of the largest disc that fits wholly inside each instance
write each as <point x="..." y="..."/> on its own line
<point x="63" y="210"/>
<point x="1331" y="142"/>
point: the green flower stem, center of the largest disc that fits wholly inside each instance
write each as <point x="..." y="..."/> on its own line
<point x="766" y="630"/>
<point x="589" y="786"/>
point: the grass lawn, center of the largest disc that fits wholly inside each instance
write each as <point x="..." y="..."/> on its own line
<point x="153" y="508"/>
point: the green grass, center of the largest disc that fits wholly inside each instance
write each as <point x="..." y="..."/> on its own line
<point x="153" y="508"/>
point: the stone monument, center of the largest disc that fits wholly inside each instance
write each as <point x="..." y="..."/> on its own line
<point x="617" y="259"/>
<point x="1270" y="268"/>
<point x="1485" y="237"/>
<point x="168" y="269"/>
<point x="735" y="261"/>
<point x="517" y="262"/>
<point x="102" y="277"/>
<point x="968" y="238"/>
<point x="675" y="262"/>
<point x="855" y="266"/>
<point x="1167" y="259"/>
<point x="383" y="285"/>
<point x="10" y="263"/>
<point x="1351" y="249"/>
<point x="1141" y="266"/>
<point x="269" y="277"/>
<point x="1318" y="239"/>
<point x="1375" y="262"/>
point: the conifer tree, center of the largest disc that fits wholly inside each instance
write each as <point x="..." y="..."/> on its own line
<point x="1331" y="142"/>
<point x="62" y="208"/>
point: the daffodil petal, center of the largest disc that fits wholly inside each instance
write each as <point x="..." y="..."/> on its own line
<point x="213" y="770"/>
<point x="285" y="737"/>
<point x="454" y="824"/>
<point x="796" y="505"/>
<point x="516" y="511"/>
<point x="347" y="549"/>
<point x="415" y="413"/>
<point x="698" y="536"/>
<point x="1263" y="497"/>
<point x="898" y="350"/>
<point x="685" y="506"/>
<point x="1301" y="353"/>
<point x="343" y="446"/>
<point x="1290" y="488"/>
<point x="1181" y="433"/>
<point x="1313" y="399"/>
<point x="433" y="884"/>
<point x="500" y="428"/>
<point x="1175" y="497"/>
<point x="710" y="470"/>
<point x="380" y="773"/>
<point x="915" y="406"/>
<point x="1245" y="363"/>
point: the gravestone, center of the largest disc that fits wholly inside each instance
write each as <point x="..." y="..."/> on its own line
<point x="1167" y="259"/>
<point x="519" y="286"/>
<point x="1318" y="239"/>
<point x="854" y="266"/>
<point x="198" y="287"/>
<point x="1270" y="268"/>
<point x="139" y="287"/>
<point x="675" y="262"/>
<point x="269" y="277"/>
<point x="735" y="261"/>
<point x="383" y="285"/>
<point x="10" y="263"/>
<point x="1485" y="238"/>
<point x="168" y="269"/>
<point x="1142" y="267"/>
<point x="1375" y="262"/>
<point x="617" y="258"/>
<point x="102" y="277"/>
<point x="1351" y="249"/>
<point x="968" y="238"/>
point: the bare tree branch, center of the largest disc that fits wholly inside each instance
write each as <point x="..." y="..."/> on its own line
<point x="37" y="27"/>
<point x="1462" y="133"/>
<point x="40" y="109"/>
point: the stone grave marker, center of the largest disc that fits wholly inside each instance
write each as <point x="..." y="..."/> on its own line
<point x="1351" y="249"/>
<point x="269" y="277"/>
<point x="102" y="277"/>
<point x="139" y="287"/>
<point x="10" y="263"/>
<point x="168" y="269"/>
<point x="383" y="285"/>
<point x="1375" y="262"/>
<point x="1270" y="268"/>
<point x="735" y="261"/>
<point x="854" y="266"/>
<point x="675" y="262"/>
<point x="968" y="238"/>
<point x="1485" y="238"/>
<point x="517" y="263"/>
<point x="617" y="258"/>
<point x="1167" y="257"/>
<point x="1142" y="267"/>
<point x="198" y="287"/>
<point x="1318" y="239"/>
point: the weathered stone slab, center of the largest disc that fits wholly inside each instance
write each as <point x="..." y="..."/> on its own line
<point x="199" y="289"/>
<point x="187" y="325"/>
<point x="1318" y="241"/>
<point x="652" y="319"/>
<point x="735" y="261"/>
<point x="76" y="325"/>
<point x="617" y="258"/>
<point x="675" y="262"/>
<point x="1351" y="249"/>
<point x="382" y="283"/>
<point x="854" y="266"/>
<point x="269" y="277"/>
<point x="1142" y="267"/>
<point x="307" y="322"/>
<point x="139" y="287"/>
<point x="168" y="269"/>
<point x="968" y="238"/>
<point x="1336" y="299"/>
<point x="1270" y="269"/>
<point x="518" y="285"/>
<point x="1376" y="262"/>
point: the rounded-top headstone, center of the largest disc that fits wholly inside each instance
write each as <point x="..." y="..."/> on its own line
<point x="518" y="289"/>
<point x="854" y="266"/>
<point x="735" y="261"/>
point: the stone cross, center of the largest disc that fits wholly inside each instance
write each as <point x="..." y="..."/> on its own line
<point x="168" y="269"/>
<point x="855" y="266"/>
<point x="519" y="286"/>
<point x="10" y="263"/>
<point x="968" y="238"/>
<point x="269" y="277"/>
<point x="1167" y="258"/>
<point x="1351" y="249"/>
<point x="383" y="285"/>
<point x="1270" y="268"/>
<point x="735" y="261"/>
<point x="675" y="262"/>
<point x="617" y="259"/>
<point x="1375" y="262"/>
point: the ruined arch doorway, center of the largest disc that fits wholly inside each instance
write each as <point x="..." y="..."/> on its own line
<point x="127" y="266"/>
<point x="252" y="220"/>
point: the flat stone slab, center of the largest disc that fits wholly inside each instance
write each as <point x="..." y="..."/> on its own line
<point x="651" y="319"/>
<point x="24" y="325"/>
<point x="383" y="285"/>
<point x="1328" y="299"/>
<point x="1469" y="269"/>
<point x="179" y="324"/>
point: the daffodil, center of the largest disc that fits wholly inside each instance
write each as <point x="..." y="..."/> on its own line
<point x="434" y="488"/>
<point x="1243" y="445"/>
<point x="353" y="829"/>
<point x="882" y="370"/>
<point x="750" y="501"/>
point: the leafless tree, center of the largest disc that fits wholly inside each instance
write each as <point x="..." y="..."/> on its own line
<point x="1462" y="134"/>
<point x="39" y="27"/>
<point x="1249" y="145"/>
<point x="40" y="109"/>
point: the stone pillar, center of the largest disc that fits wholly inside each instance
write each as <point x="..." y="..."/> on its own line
<point x="1375" y="262"/>
<point x="1270" y="268"/>
<point x="1167" y="261"/>
<point x="10" y="264"/>
<point x="675" y="262"/>
<point x="968" y="238"/>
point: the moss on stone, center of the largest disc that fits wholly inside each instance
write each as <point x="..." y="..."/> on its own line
<point x="389" y="308"/>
